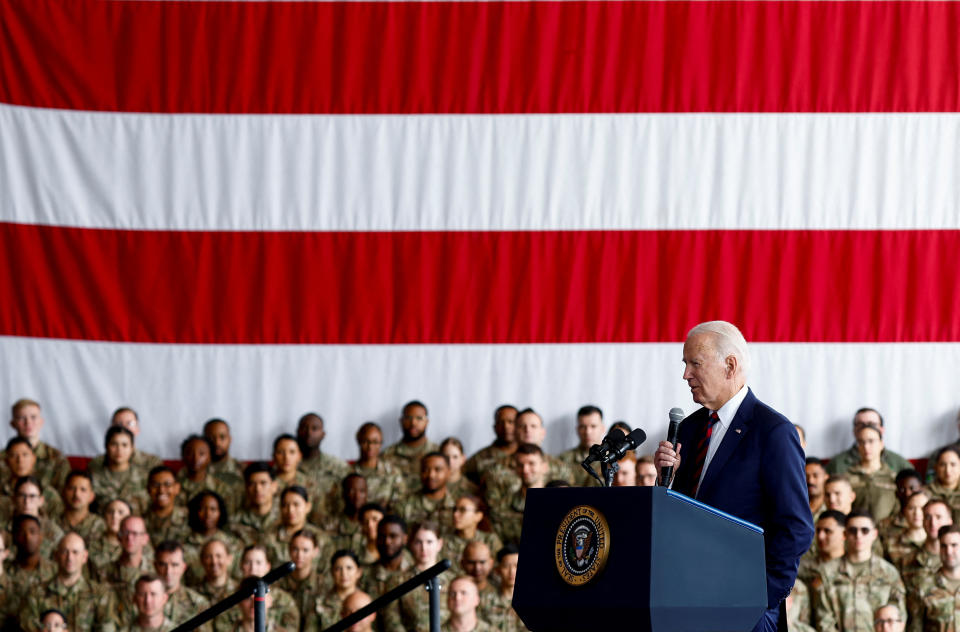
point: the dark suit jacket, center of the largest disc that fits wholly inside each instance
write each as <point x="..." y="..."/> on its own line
<point x="758" y="475"/>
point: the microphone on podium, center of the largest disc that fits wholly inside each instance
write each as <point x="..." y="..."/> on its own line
<point x="676" y="416"/>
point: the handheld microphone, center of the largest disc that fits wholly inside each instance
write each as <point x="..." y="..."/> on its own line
<point x="620" y="447"/>
<point x="676" y="416"/>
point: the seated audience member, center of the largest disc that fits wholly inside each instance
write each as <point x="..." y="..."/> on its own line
<point x="933" y="602"/>
<point x="117" y="478"/>
<point x="87" y="605"/>
<point x="432" y="501"/>
<point x="325" y="469"/>
<point x="246" y="619"/>
<point x="457" y="483"/>
<point x="165" y="516"/>
<point x="590" y="432"/>
<point x="393" y="557"/>
<point x="905" y="544"/>
<point x="305" y="584"/>
<point x="261" y="510"/>
<point x="364" y="544"/>
<point x="504" y="429"/>
<point x="29" y="500"/>
<point x="151" y="600"/>
<point x="207" y="517"/>
<point x="926" y="561"/>
<point x="932" y="461"/>
<point x="908" y="483"/>
<point x="531" y="468"/>
<point x="135" y="559"/>
<point x="78" y="496"/>
<point x="468" y="515"/>
<point x="27" y="420"/>
<point x="195" y="476"/>
<point x="626" y="475"/>
<point x="829" y="539"/>
<point x="405" y="455"/>
<point x="873" y="481"/>
<point x="463" y="599"/>
<point x="839" y="493"/>
<point x="21" y="463"/>
<point x="353" y="602"/>
<point x="646" y="472"/>
<point x="798" y="608"/>
<point x="843" y="461"/>
<point x="888" y="618"/>
<point x="412" y="611"/>
<point x="477" y="562"/>
<point x="294" y="509"/>
<point x="217" y="581"/>
<point x="182" y="602"/>
<point x="8" y="601"/>
<point x="284" y="615"/>
<point x="346" y="572"/>
<point x="286" y="465"/>
<point x="29" y="567"/>
<point x="946" y="482"/>
<point x="53" y="620"/>
<point x="385" y="482"/>
<point x="848" y="590"/>
<point x="223" y="466"/>
<point x="106" y="548"/>
<point x="143" y="461"/>
<point x="499" y="611"/>
<point x="816" y="475"/>
<point x="344" y="525"/>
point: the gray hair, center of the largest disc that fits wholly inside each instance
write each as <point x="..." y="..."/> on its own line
<point x="728" y="340"/>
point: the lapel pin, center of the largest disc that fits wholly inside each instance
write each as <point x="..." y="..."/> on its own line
<point x="737" y="430"/>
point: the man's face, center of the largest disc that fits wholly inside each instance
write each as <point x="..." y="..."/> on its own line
<point x="218" y="434"/>
<point x="215" y="559"/>
<point x="150" y="598"/>
<point x="310" y="431"/>
<point x="950" y="551"/>
<point x="163" y="489"/>
<point x="830" y="536"/>
<point x="260" y="489"/>
<point x="28" y="500"/>
<point x="888" y="619"/>
<point x="356" y="491"/>
<point x="170" y="568"/>
<point x="710" y="380"/>
<point x="507" y="569"/>
<point x="590" y="430"/>
<point x="78" y="493"/>
<point x="816" y="477"/>
<point x="869" y="443"/>
<point x="196" y="455"/>
<point x="434" y="473"/>
<point x="505" y="424"/>
<point x="28" y="422"/>
<point x="370" y="441"/>
<point x="390" y="540"/>
<point x="860" y="534"/>
<point x="840" y="496"/>
<point x="413" y="422"/>
<point x="463" y="597"/>
<point x="935" y="515"/>
<point x="21" y="460"/>
<point x="531" y="469"/>
<point x="127" y="419"/>
<point x="530" y="428"/>
<point x="29" y="537"/>
<point x="133" y="535"/>
<point x="646" y="474"/>
<point x="477" y="561"/>
<point x="907" y="488"/>
<point x="71" y="555"/>
<point x="351" y="604"/>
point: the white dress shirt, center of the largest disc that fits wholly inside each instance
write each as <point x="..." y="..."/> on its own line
<point x="726" y="414"/>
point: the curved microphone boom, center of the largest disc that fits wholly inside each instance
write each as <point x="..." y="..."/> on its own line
<point x="676" y="416"/>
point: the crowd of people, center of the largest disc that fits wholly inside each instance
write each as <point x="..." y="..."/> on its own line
<point x="130" y="543"/>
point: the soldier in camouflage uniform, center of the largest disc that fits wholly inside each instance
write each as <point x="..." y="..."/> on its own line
<point x="432" y="501"/>
<point x="223" y="466"/>
<point x="29" y="567"/>
<point x="405" y="455"/>
<point x="165" y="516"/>
<point x="77" y="497"/>
<point x="28" y="500"/>
<point x="477" y="563"/>
<point x="394" y="558"/>
<point x="217" y="582"/>
<point x="282" y="615"/>
<point x="207" y="517"/>
<point x="385" y="482"/>
<point x="468" y="513"/>
<point x="816" y="475"/>
<point x="848" y="590"/>
<point x="151" y="600"/>
<point x="118" y="478"/>
<point x="364" y="544"/>
<point x="840" y="463"/>
<point x="829" y="538"/>
<point x="590" y="431"/>
<point x="411" y="612"/>
<point x="52" y="467"/>
<point x="294" y="509"/>
<point x="798" y="609"/>
<point x="934" y="604"/>
<point x="324" y="469"/>
<point x="182" y="603"/>
<point x="305" y="584"/>
<point x="22" y="463"/>
<point x="88" y="606"/>
<point x="908" y="483"/>
<point x="345" y="524"/>
<point x="106" y="548"/>
<point x="141" y="461"/>
<point x="888" y="618"/>
<point x="261" y="509"/>
<point x="499" y="611"/>
<point x="463" y="600"/>
<point x="135" y="560"/>
<point x="195" y="477"/>
<point x="872" y="480"/>
<point x="926" y="561"/>
<point x="531" y="470"/>
<point x="504" y="426"/>
<point x="906" y="543"/>
<point x="946" y="484"/>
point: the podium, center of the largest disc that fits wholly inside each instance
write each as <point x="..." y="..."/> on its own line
<point x="647" y="558"/>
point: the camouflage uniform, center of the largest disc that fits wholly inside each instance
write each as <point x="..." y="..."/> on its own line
<point x="52" y="502"/>
<point x="891" y="526"/>
<point x="482" y="461"/>
<point x="377" y="578"/>
<point x="166" y="626"/>
<point x="228" y="471"/>
<point x="341" y="530"/>
<point x="130" y="486"/>
<point x="406" y="459"/>
<point x="143" y="461"/>
<point x="916" y="568"/>
<point x="462" y="487"/>
<point x="846" y="594"/>
<point x="507" y="517"/>
<point x="453" y="546"/>
<point x="482" y="626"/>
<point x="949" y="496"/>
<point x="411" y="613"/>
<point x="499" y="613"/>
<point x="801" y="610"/>
<point x="217" y="593"/>
<point x="88" y="606"/>
<point x="901" y="550"/>
<point x="935" y="605"/>
<point x="17" y="584"/>
<point x="193" y="544"/>
<point x="573" y="458"/>
<point x="190" y="488"/>
<point x="184" y="604"/>
<point x="102" y="551"/>
<point x="840" y="463"/>
<point x="326" y="610"/>
<point x="502" y="481"/>
<point x="249" y="526"/>
<point x="283" y="615"/>
<point x="277" y="543"/>
<point x="305" y="593"/>
<point x="876" y="491"/>
<point x="121" y="580"/>
<point x="418" y="507"/>
<point x="90" y="528"/>
<point x="52" y="466"/>
<point x="385" y="485"/>
<point x="170" y="527"/>
<point x="324" y="470"/>
<point x="304" y="481"/>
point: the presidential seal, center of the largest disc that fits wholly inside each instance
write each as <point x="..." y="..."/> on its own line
<point x="582" y="545"/>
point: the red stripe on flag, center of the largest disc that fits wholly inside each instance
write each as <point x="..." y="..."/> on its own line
<point x="477" y="287"/>
<point x="481" y="57"/>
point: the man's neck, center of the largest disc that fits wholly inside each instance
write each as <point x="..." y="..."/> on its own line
<point x="131" y="559"/>
<point x="76" y="516"/>
<point x="415" y="443"/>
<point x="161" y="512"/>
<point x="150" y="622"/>
<point x="857" y="557"/>
<point x="815" y="503"/>
<point x="219" y="459"/>
<point x="33" y="441"/>
<point x="197" y="476"/>
<point x="437" y="494"/>
<point x="311" y="453"/>
<point x="951" y="574"/>
<point x="69" y="580"/>
<point x="505" y="446"/>
<point x="507" y="591"/>
<point x="264" y="509"/>
<point x="932" y="546"/>
<point x="826" y="556"/>
<point x="28" y="562"/>
<point x="394" y="564"/>
<point x="463" y="622"/>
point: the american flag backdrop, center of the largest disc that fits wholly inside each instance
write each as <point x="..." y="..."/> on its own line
<point x="256" y="209"/>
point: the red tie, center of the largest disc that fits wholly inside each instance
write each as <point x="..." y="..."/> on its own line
<point x="702" y="448"/>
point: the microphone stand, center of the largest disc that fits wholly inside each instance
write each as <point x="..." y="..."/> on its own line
<point x="609" y="471"/>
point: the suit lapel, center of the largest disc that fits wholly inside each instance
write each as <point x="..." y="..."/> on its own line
<point x="735" y="433"/>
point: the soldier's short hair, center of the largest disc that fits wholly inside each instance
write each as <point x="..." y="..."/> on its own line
<point x="306" y="533"/>
<point x="286" y="436"/>
<point x="167" y="546"/>
<point x="257" y="467"/>
<point x="393" y="519"/>
<point x="859" y="513"/>
<point x="367" y="425"/>
<point x="507" y="549"/>
<point x="78" y="474"/>
<point x="195" y="437"/>
<point x="812" y="460"/>
<point x="21" y="403"/>
<point x="371" y="507"/>
<point x="867" y="409"/>
<point x="839" y="478"/>
<point x="907" y="473"/>
<point x="299" y="490"/>
<point x="124" y="409"/>
<point x="416" y="402"/>
<point x="159" y="469"/>
<point x="20" y="519"/>
<point x="833" y="514"/>
<point x="29" y="479"/>
<point x="937" y="501"/>
<point x="17" y="440"/>
<point x="344" y="553"/>
<point x="947" y="528"/>
<point x="147" y="578"/>
<point x="589" y="409"/>
<point x="434" y="455"/>
<point x="215" y="420"/>
<point x="427" y="525"/>
<point x="529" y="448"/>
<point x="113" y="431"/>
<point x="193" y="510"/>
<point x="346" y="480"/>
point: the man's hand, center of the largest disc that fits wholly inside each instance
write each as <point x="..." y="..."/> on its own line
<point x="666" y="456"/>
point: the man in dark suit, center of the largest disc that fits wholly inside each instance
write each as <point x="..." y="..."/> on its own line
<point x="739" y="455"/>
